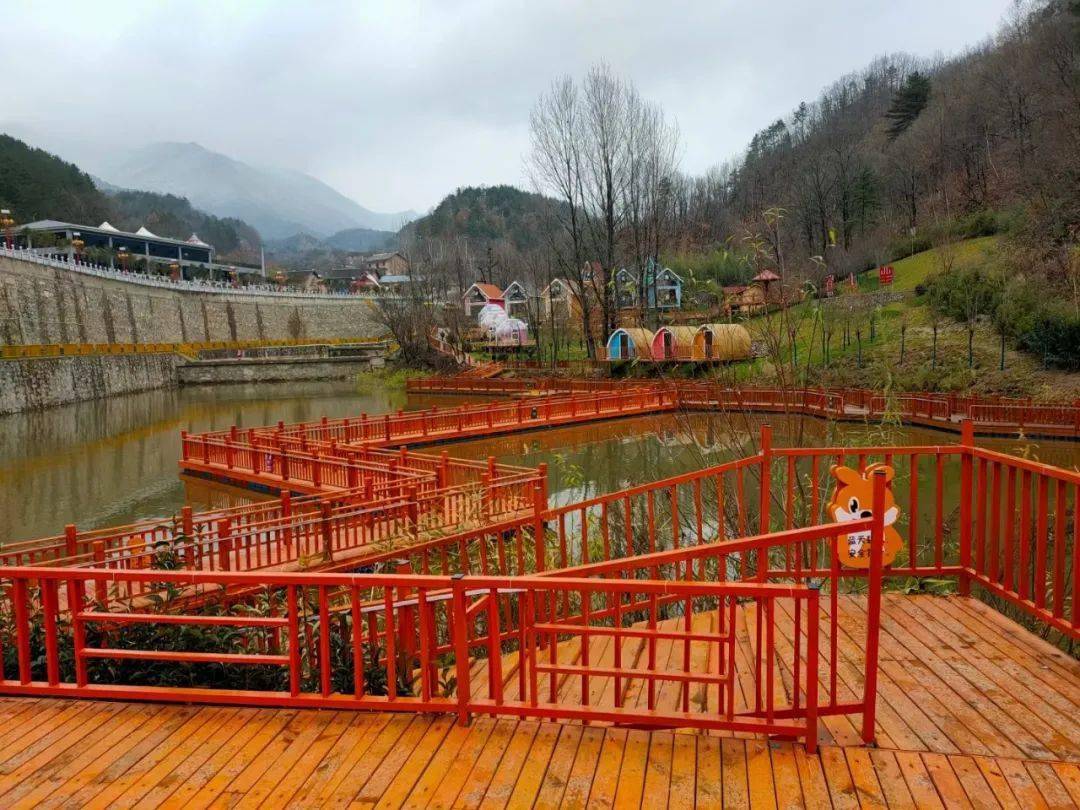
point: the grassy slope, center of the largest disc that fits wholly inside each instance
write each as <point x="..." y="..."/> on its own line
<point x="881" y="366"/>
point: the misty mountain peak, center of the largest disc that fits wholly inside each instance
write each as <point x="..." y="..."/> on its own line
<point x="278" y="202"/>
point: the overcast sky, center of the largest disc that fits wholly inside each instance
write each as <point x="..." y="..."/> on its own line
<point x="397" y="103"/>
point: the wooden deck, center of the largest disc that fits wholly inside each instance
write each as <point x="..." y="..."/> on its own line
<point x="972" y="710"/>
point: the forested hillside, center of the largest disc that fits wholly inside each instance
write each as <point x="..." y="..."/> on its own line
<point x="37" y="185"/>
<point x="488" y="214"/>
<point x="906" y="154"/>
<point x="968" y="145"/>
<point x="169" y="215"/>
<point x="486" y="233"/>
<point x="915" y="153"/>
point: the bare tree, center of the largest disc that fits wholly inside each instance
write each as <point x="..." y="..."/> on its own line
<point x="609" y="157"/>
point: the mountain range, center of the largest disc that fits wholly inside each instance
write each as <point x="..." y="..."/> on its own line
<point x="279" y="203"/>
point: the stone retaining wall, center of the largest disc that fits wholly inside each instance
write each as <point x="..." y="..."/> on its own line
<point x="48" y="381"/>
<point x="42" y="304"/>
<point x="274" y="369"/>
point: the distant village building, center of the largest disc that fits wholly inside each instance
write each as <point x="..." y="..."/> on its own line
<point x="559" y="302"/>
<point x="386" y="264"/>
<point x="365" y="282"/>
<point x="389" y="282"/>
<point x="626" y="289"/>
<point x="479" y="295"/>
<point x="662" y="288"/>
<point x="340" y="279"/>
<point x="306" y="280"/>
<point x="753" y="298"/>
<point x="664" y="291"/>
<point x="516" y="300"/>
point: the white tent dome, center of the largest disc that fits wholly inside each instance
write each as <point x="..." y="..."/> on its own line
<point x="511" y="330"/>
<point x="491" y="314"/>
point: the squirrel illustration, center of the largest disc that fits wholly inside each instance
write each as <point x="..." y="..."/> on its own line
<point x="853" y="499"/>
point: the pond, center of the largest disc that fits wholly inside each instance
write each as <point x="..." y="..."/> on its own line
<point x="587" y="460"/>
<point x="111" y="462"/>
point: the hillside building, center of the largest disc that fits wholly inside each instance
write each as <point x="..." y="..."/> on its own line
<point x="479" y="295"/>
<point x="142" y="244"/>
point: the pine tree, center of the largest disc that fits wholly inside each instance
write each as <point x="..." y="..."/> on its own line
<point x="908" y="102"/>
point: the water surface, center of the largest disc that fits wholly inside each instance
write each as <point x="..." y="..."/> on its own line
<point x="111" y="462"/>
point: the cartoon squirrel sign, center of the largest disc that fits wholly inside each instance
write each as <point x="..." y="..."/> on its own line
<point x="853" y="499"/>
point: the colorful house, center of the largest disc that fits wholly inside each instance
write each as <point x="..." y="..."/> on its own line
<point x="664" y="291"/>
<point x="559" y="302"/>
<point x="630" y="344"/>
<point x="673" y="343"/>
<point x="516" y="300"/>
<point x="662" y="288"/>
<point x="481" y="294"/>
<point x="721" y="341"/>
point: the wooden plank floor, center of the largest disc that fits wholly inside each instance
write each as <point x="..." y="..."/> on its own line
<point x="973" y="711"/>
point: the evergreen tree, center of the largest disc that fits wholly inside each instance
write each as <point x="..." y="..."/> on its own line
<point x="908" y="102"/>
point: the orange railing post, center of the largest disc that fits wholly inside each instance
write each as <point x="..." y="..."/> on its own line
<point x="286" y="519"/>
<point x="765" y="495"/>
<point x="71" y="547"/>
<point x="813" y="614"/>
<point x="326" y="531"/>
<point x="873" y="608"/>
<point x="412" y="509"/>
<point x="224" y="544"/>
<point x="461" y="649"/>
<point x="542" y="475"/>
<point x="101" y="593"/>
<point x="187" y="530"/>
<point x="539" y="531"/>
<point x="22" y="629"/>
<point x="967" y="441"/>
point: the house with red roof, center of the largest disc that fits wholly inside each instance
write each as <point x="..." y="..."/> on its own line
<point x="479" y="295"/>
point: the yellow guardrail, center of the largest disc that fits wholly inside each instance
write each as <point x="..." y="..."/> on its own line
<point x="189" y="349"/>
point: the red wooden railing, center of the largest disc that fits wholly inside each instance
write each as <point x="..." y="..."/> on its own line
<point x="989" y="414"/>
<point x="1002" y="524"/>
<point x="945" y="495"/>
<point x="506" y="641"/>
<point x="1018" y="539"/>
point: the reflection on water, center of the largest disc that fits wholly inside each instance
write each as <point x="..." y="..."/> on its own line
<point x="592" y="459"/>
<point x="113" y="461"/>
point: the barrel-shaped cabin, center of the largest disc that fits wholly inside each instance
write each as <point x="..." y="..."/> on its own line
<point x="721" y="341"/>
<point x="674" y="343"/>
<point x="630" y="344"/>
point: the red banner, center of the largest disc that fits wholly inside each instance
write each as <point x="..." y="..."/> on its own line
<point x="885" y="274"/>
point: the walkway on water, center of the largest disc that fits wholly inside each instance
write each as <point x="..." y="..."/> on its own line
<point x="973" y="711"/>
<point x="989" y="415"/>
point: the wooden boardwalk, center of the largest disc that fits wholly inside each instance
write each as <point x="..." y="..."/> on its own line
<point x="972" y="711"/>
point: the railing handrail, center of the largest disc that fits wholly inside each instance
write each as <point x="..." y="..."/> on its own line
<point x="221" y="287"/>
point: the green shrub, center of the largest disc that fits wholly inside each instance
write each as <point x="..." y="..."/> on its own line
<point x="1054" y="336"/>
<point x="964" y="293"/>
